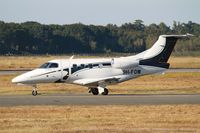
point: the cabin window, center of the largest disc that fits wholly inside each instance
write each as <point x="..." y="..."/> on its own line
<point x="74" y="66"/>
<point x="106" y="64"/>
<point x="86" y="66"/>
<point x="82" y="65"/>
<point x="95" y="65"/>
<point x="90" y="65"/>
<point x="78" y="67"/>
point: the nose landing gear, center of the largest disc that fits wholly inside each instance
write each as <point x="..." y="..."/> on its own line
<point x="34" y="91"/>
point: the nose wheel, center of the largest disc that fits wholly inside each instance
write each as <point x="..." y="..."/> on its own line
<point x="34" y="91"/>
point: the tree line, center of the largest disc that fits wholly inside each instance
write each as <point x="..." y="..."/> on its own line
<point x="35" y="38"/>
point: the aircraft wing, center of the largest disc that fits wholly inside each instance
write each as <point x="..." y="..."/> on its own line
<point x="97" y="81"/>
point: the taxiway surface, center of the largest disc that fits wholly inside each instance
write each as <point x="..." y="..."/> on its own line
<point x="112" y="99"/>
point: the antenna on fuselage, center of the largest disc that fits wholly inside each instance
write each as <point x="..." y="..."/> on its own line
<point x="70" y="64"/>
<point x="71" y="57"/>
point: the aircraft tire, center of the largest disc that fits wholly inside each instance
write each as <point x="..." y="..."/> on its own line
<point x="94" y="91"/>
<point x="34" y="93"/>
<point x="105" y="92"/>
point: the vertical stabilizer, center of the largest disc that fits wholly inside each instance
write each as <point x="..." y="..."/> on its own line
<point x="160" y="52"/>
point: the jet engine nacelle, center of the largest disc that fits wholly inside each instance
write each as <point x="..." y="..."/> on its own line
<point x="124" y="63"/>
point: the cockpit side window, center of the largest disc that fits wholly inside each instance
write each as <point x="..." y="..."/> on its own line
<point x="49" y="65"/>
<point x="53" y="65"/>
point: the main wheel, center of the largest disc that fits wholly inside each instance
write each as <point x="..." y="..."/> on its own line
<point x="34" y="93"/>
<point x="105" y="92"/>
<point x="94" y="91"/>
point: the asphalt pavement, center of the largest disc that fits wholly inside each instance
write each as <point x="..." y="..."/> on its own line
<point x="112" y="99"/>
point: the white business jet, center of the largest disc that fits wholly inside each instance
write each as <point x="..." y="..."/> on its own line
<point x="97" y="74"/>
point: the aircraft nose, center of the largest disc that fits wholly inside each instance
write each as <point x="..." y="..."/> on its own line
<point x="18" y="79"/>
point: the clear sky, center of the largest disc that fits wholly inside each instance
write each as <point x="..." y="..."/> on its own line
<point x="100" y="12"/>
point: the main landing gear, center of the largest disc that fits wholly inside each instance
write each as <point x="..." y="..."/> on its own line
<point x="98" y="90"/>
<point x="34" y="91"/>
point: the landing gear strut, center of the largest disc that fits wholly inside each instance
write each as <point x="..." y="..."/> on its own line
<point x="34" y="92"/>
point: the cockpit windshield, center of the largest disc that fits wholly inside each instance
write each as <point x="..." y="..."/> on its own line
<point x="49" y="65"/>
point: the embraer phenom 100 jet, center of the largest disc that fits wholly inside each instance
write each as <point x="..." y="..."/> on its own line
<point x="97" y="74"/>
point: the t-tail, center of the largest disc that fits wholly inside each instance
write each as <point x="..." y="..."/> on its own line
<point x="160" y="52"/>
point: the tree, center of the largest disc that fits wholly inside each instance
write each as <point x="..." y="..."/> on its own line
<point x="35" y="38"/>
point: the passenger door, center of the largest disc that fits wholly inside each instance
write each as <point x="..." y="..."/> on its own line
<point x="64" y="71"/>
